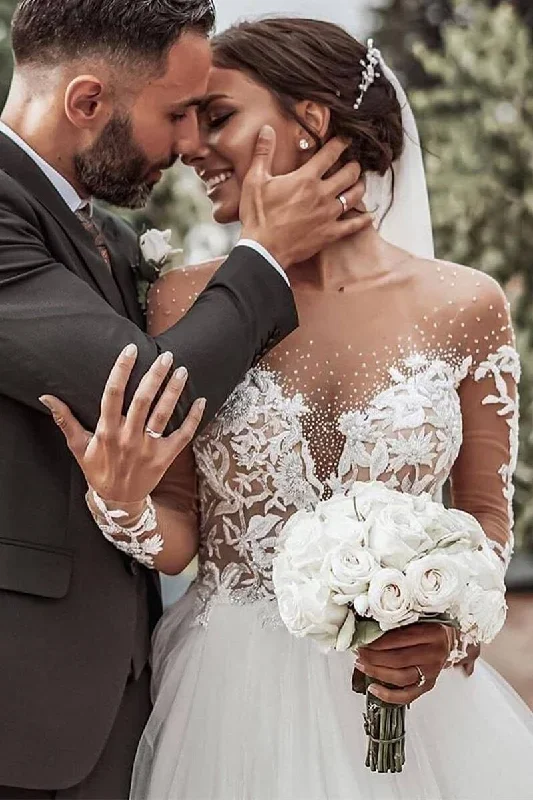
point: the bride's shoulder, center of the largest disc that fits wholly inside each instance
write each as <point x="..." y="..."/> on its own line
<point x="469" y="310"/>
<point x="469" y="289"/>
<point x="173" y="294"/>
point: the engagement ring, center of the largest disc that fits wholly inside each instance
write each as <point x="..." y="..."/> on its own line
<point x="344" y="203"/>
<point x="153" y="434"/>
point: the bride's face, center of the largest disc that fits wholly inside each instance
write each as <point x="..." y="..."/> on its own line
<point x="234" y="111"/>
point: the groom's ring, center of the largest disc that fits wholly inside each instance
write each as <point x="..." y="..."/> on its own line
<point x="152" y="434"/>
<point x="421" y="677"/>
<point x="344" y="203"/>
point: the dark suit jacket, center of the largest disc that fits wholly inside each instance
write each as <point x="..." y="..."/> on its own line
<point x="73" y="610"/>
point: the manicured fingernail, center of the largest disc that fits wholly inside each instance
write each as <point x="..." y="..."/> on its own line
<point x="45" y="402"/>
<point x="180" y="374"/>
<point x="359" y="665"/>
<point x="167" y="359"/>
<point x="201" y="404"/>
<point x="130" y="350"/>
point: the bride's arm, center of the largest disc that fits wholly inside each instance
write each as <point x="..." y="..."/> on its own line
<point x="482" y="476"/>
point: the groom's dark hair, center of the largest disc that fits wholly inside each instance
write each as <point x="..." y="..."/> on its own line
<point x="50" y="32"/>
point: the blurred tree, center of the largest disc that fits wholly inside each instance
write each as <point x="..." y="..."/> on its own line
<point x="476" y="123"/>
<point x="401" y="23"/>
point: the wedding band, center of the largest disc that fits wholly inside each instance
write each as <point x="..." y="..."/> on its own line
<point x="421" y="678"/>
<point x="344" y="203"/>
<point x="152" y="434"/>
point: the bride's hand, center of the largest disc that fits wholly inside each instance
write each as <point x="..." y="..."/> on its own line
<point x="409" y="658"/>
<point x="122" y="461"/>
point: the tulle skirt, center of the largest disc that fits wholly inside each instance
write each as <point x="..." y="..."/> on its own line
<point x="244" y="711"/>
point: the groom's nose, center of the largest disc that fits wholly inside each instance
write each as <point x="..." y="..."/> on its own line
<point x="187" y="142"/>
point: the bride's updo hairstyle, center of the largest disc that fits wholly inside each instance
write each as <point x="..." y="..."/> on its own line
<point x="305" y="59"/>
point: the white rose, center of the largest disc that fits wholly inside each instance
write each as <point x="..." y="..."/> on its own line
<point x="374" y="495"/>
<point x="155" y="245"/>
<point x="484" y="568"/>
<point x="396" y="536"/>
<point x="340" y="520"/>
<point x="306" y="608"/>
<point x="428" y="512"/>
<point x="482" y="613"/>
<point x="390" y="599"/>
<point x="348" y="569"/>
<point x="436" y="581"/>
<point x="456" y="530"/>
<point x="303" y="543"/>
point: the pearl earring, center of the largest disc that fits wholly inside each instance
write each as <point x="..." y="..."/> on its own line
<point x="304" y="144"/>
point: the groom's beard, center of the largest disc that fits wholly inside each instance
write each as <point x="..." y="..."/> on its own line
<point x="115" y="168"/>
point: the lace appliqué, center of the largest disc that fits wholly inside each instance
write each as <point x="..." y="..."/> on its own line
<point x="256" y="469"/>
<point x="253" y="455"/>
<point x="130" y="540"/>
<point x="504" y="362"/>
<point x="409" y="435"/>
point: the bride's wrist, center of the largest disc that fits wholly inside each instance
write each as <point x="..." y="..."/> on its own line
<point x="130" y="527"/>
<point x="133" y="510"/>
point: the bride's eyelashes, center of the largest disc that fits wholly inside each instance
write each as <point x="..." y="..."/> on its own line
<point x="218" y="121"/>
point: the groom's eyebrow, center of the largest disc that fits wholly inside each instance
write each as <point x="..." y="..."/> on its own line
<point x="183" y="104"/>
<point x="210" y="98"/>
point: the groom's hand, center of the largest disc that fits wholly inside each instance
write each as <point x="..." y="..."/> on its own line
<point x="294" y="216"/>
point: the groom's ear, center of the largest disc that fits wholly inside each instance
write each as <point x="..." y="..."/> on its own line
<point x="87" y="102"/>
<point x="316" y="116"/>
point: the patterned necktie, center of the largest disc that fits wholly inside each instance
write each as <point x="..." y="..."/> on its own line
<point x="85" y="217"/>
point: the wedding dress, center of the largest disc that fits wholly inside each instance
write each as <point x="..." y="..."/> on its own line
<point x="407" y="376"/>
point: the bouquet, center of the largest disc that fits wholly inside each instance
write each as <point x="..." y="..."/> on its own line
<point x="375" y="559"/>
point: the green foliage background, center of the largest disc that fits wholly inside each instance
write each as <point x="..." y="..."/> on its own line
<point x="469" y="70"/>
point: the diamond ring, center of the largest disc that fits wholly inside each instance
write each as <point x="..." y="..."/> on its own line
<point x="421" y="677"/>
<point x="344" y="203"/>
<point x="152" y="434"/>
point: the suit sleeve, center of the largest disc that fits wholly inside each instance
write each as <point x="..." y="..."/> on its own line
<point x="59" y="336"/>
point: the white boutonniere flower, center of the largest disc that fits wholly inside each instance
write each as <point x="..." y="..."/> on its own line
<point x="156" y="252"/>
<point x="156" y="247"/>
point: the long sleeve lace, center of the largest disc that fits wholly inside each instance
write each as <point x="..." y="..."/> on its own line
<point x="482" y="476"/>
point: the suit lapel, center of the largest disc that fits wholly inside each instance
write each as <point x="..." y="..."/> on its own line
<point x="16" y="163"/>
<point x="123" y="262"/>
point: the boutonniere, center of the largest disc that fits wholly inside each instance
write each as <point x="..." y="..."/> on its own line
<point x="156" y="252"/>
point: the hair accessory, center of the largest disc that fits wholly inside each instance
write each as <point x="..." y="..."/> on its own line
<point x="372" y="60"/>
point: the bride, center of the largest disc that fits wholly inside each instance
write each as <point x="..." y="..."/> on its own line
<point x="403" y="370"/>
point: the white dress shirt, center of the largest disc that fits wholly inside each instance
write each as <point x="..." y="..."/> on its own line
<point x="75" y="202"/>
<point x="62" y="186"/>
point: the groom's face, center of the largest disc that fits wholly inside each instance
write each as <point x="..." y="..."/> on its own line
<point x="145" y="136"/>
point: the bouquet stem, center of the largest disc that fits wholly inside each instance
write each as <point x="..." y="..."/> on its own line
<point x="385" y="728"/>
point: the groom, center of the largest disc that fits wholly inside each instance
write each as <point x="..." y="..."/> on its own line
<point x="103" y="99"/>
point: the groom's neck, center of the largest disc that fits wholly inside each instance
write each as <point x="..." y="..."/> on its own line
<point x="38" y="119"/>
